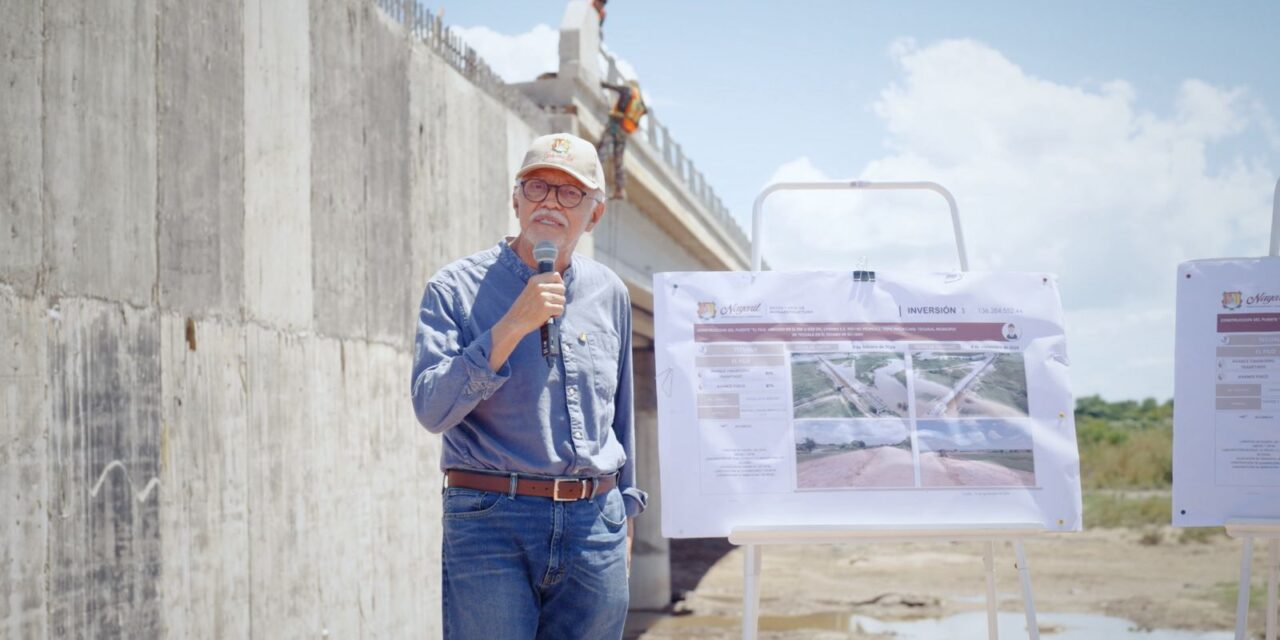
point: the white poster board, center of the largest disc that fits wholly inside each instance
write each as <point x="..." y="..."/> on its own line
<point x="1226" y="410"/>
<point x="863" y="399"/>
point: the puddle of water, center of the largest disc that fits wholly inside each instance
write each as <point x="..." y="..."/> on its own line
<point x="1058" y="626"/>
<point x="1053" y="626"/>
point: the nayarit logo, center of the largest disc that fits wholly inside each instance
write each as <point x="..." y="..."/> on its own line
<point x="706" y="310"/>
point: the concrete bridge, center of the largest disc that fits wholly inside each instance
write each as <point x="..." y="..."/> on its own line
<point x="216" y="220"/>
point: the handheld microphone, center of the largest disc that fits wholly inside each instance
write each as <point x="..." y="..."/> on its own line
<point x="545" y="253"/>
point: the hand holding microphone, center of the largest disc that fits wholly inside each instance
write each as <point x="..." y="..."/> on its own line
<point x="536" y="307"/>
<point x="545" y="253"/>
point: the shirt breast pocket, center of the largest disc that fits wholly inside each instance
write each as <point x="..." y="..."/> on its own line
<point x="604" y="363"/>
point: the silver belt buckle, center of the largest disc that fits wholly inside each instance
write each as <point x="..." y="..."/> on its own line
<point x="555" y="489"/>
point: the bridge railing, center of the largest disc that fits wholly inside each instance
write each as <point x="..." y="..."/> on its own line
<point x="429" y="29"/>
<point x="658" y="137"/>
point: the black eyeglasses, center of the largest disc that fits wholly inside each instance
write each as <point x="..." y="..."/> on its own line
<point x="568" y="195"/>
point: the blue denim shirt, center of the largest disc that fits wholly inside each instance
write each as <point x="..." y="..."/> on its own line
<point x="573" y="419"/>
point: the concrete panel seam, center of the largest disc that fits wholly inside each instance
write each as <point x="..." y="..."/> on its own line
<point x="56" y="299"/>
<point x="248" y="486"/>
<point x="155" y="174"/>
<point x="42" y="272"/>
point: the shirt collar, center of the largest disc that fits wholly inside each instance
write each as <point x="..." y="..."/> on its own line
<point x="507" y="256"/>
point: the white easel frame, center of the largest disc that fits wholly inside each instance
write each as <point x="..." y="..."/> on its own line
<point x="1250" y="530"/>
<point x="753" y="538"/>
<point x="757" y="209"/>
<point x="1275" y="222"/>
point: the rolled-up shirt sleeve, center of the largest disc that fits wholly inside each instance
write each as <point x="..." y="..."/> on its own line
<point x="624" y="422"/>
<point x="451" y="374"/>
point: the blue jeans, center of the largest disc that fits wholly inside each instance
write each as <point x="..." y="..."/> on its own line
<point x="522" y="567"/>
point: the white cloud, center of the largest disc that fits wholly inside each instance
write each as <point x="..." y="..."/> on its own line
<point x="937" y="440"/>
<point x="524" y="56"/>
<point x="1267" y="124"/>
<point x="1124" y="351"/>
<point x="969" y="435"/>
<point x="1049" y="177"/>
<point x="515" y="58"/>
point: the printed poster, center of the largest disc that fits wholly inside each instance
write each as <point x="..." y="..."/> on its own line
<point x="863" y="399"/>
<point x="1226" y="409"/>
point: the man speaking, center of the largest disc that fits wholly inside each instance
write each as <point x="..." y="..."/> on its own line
<point x="526" y="373"/>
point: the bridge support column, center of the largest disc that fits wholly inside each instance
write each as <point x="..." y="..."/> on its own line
<point x="580" y="45"/>
<point x="651" y="553"/>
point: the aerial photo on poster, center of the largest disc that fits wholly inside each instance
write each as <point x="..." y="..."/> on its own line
<point x="842" y="454"/>
<point x="849" y="385"/>
<point x="958" y="384"/>
<point x="975" y="453"/>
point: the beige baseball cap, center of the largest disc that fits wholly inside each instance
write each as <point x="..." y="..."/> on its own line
<point x="569" y="154"/>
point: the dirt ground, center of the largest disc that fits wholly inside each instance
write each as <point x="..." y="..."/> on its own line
<point x="875" y="467"/>
<point x="936" y="471"/>
<point x="1147" y="576"/>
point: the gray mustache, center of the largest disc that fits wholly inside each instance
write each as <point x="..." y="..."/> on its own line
<point x="548" y="213"/>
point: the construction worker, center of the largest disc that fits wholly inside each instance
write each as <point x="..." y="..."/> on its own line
<point x="624" y="119"/>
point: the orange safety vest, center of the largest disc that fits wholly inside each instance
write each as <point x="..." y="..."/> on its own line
<point x="629" y="109"/>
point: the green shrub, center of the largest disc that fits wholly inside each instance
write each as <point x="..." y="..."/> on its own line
<point x="1125" y="445"/>
<point x="1109" y="509"/>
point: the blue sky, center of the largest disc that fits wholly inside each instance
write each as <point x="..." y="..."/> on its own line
<point x="1104" y="142"/>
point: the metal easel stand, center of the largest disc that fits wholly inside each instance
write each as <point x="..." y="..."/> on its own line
<point x="1249" y="530"/>
<point x="758" y="208"/>
<point x="753" y="538"/>
<point x="1275" y="223"/>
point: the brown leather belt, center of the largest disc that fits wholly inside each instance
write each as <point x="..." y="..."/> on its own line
<point x="558" y="489"/>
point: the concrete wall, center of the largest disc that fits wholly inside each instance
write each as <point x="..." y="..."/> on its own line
<point x="201" y="154"/>
<point x="21" y="154"/>
<point x="278" y="264"/>
<point x="99" y="157"/>
<point x="24" y="466"/>
<point x="216" y="220"/>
